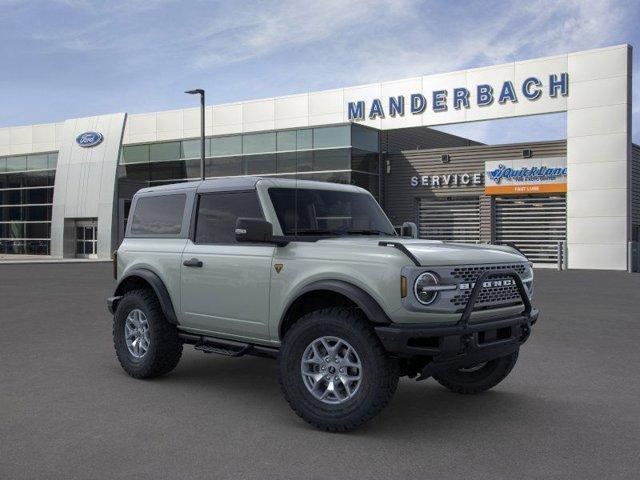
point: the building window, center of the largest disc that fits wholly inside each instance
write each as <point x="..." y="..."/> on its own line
<point x="332" y="137"/>
<point x="135" y="154"/>
<point x="26" y="197"/>
<point x="225" y="146"/>
<point x="259" y="143"/>
<point x="163" y="152"/>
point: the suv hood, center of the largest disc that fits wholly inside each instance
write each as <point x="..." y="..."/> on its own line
<point x="435" y="252"/>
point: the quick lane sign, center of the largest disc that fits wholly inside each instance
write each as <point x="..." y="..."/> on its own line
<point x="543" y="175"/>
<point x="482" y="95"/>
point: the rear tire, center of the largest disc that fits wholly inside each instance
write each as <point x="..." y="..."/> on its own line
<point x="470" y="381"/>
<point x="146" y="344"/>
<point x="349" y="402"/>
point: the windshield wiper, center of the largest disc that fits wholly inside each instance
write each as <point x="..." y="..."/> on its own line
<point x="368" y="232"/>
<point x="316" y="232"/>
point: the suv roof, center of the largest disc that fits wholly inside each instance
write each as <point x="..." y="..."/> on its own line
<point x="246" y="183"/>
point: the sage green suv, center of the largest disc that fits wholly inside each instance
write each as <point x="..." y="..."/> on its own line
<point x="313" y="274"/>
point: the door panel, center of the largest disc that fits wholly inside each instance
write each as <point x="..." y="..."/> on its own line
<point x="229" y="293"/>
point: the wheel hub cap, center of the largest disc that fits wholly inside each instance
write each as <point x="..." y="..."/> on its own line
<point x="331" y="370"/>
<point x="136" y="333"/>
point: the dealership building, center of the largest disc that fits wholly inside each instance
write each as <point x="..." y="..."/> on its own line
<point x="66" y="188"/>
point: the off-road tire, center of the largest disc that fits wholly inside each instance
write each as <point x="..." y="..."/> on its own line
<point x="380" y="373"/>
<point x="165" y="347"/>
<point x="480" y="380"/>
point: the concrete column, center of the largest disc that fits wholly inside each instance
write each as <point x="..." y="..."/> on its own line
<point x="599" y="158"/>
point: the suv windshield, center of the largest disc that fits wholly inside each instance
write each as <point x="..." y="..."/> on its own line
<point x="328" y="212"/>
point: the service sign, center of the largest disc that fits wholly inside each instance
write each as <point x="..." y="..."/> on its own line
<point x="523" y="176"/>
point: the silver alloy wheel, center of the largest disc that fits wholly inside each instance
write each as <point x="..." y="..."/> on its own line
<point x="331" y="370"/>
<point x="473" y="368"/>
<point x="136" y="333"/>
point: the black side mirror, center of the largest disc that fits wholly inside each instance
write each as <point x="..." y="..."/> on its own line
<point x="409" y="229"/>
<point x="255" y="230"/>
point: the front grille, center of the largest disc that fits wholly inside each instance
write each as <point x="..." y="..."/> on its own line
<point x="489" y="297"/>
<point x="469" y="274"/>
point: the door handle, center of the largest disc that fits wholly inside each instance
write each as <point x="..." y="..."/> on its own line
<point x="194" y="262"/>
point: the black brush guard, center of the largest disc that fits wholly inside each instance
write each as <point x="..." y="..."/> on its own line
<point x="461" y="345"/>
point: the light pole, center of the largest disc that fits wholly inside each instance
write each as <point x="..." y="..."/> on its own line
<point x="200" y="92"/>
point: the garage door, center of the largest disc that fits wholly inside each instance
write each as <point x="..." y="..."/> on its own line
<point x="534" y="224"/>
<point x="454" y="219"/>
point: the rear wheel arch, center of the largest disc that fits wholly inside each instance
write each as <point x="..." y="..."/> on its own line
<point x="330" y="293"/>
<point x="142" y="278"/>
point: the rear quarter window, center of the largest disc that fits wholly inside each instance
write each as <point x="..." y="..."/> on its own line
<point x="159" y="215"/>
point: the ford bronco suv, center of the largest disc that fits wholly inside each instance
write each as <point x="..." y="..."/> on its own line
<point x="313" y="274"/>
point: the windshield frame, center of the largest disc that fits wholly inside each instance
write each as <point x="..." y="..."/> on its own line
<point x="386" y="229"/>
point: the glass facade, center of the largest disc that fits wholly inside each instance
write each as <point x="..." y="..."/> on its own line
<point x="346" y="154"/>
<point x="342" y="154"/>
<point x="26" y="198"/>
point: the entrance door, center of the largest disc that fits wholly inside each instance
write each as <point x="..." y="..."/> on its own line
<point x="225" y="285"/>
<point x="87" y="239"/>
<point x="534" y="224"/>
<point x="452" y="219"/>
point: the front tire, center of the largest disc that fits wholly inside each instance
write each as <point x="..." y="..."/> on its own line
<point x="333" y="370"/>
<point x="479" y="378"/>
<point x="146" y="344"/>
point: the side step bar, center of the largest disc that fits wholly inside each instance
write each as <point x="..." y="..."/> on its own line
<point x="229" y="348"/>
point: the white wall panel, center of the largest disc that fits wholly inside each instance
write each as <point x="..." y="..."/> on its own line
<point x="596" y="203"/>
<point x="599" y="63"/>
<point x="170" y="121"/>
<point x="609" y="175"/>
<point x="597" y="120"/>
<point x="142" y="124"/>
<point x="597" y="148"/>
<point x="598" y="256"/>
<point x="606" y="230"/>
<point x="326" y="102"/>
<point x="44" y="133"/>
<point x="21" y="135"/>
<point x="227" y="119"/>
<point x="295" y="106"/>
<point x="598" y="93"/>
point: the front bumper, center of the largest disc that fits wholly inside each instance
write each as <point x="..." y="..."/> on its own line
<point x="455" y="346"/>
<point x="452" y="346"/>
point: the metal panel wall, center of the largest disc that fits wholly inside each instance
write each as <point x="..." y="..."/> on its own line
<point x="535" y="224"/>
<point x="635" y="190"/>
<point x="400" y="197"/>
<point x="450" y="220"/>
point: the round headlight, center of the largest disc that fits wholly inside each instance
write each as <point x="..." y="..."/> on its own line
<point x="421" y="288"/>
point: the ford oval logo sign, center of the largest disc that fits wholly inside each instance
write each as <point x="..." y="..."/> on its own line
<point x="89" y="139"/>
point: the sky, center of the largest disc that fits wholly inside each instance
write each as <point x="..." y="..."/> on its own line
<point x="74" y="58"/>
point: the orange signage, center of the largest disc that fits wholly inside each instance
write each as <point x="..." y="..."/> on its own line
<point x="530" y="188"/>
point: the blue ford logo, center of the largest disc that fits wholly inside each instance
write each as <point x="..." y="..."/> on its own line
<point x="89" y="139"/>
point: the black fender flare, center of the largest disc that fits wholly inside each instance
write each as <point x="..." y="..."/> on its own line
<point x="362" y="299"/>
<point x="158" y="287"/>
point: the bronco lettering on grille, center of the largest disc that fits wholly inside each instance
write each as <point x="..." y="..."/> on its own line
<point x="489" y="284"/>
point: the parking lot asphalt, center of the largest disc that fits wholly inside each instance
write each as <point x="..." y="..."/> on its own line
<point x="570" y="408"/>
